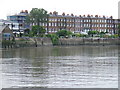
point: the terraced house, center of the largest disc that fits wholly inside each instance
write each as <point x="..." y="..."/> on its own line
<point x="78" y="24"/>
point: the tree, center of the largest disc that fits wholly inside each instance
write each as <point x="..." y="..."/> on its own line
<point x="54" y="38"/>
<point x="102" y="32"/>
<point x="64" y="33"/>
<point x="37" y="16"/>
<point x="93" y="32"/>
<point x="38" y="30"/>
<point x="27" y="31"/>
<point x="119" y="30"/>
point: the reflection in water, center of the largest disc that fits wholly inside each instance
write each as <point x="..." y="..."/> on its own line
<point x="56" y="67"/>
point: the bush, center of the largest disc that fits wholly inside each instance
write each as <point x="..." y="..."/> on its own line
<point x="92" y="33"/>
<point x="64" y="33"/>
<point x="26" y="31"/>
<point x="54" y="38"/>
<point x="37" y="31"/>
<point x="6" y="43"/>
<point x="31" y="34"/>
<point x="114" y="36"/>
<point x="102" y="32"/>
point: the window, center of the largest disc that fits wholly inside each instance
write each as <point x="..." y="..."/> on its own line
<point x="43" y="24"/>
<point x="67" y="25"/>
<point x="6" y="35"/>
<point x="55" y="19"/>
<point x="55" y="24"/>
<point x="81" y="25"/>
<point x="50" y="24"/>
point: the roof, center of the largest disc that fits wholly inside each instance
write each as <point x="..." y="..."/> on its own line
<point x="6" y="21"/>
<point x="53" y="15"/>
<point x="17" y="15"/>
<point x="2" y="27"/>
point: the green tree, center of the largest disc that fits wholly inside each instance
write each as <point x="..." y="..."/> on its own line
<point x="102" y="32"/>
<point x="93" y="33"/>
<point x="119" y="30"/>
<point x="64" y="33"/>
<point x="38" y="30"/>
<point x="54" y="38"/>
<point x="27" y="31"/>
<point x="79" y="35"/>
<point x="37" y="16"/>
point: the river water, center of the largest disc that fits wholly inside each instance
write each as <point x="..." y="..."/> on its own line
<point x="60" y="67"/>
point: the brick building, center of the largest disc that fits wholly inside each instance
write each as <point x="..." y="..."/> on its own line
<point x="78" y="24"/>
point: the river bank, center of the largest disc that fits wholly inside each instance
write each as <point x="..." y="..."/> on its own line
<point x="27" y="42"/>
<point x="88" y="41"/>
<point x="38" y="41"/>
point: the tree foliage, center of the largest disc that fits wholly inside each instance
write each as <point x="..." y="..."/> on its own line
<point x="37" y="30"/>
<point x="37" y="16"/>
<point x="64" y="33"/>
<point x="93" y="32"/>
<point x="27" y="31"/>
<point x="119" y="30"/>
<point x="79" y="35"/>
<point x="102" y="32"/>
<point x="54" y="38"/>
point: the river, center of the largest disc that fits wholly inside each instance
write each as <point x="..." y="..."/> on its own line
<point x="60" y="67"/>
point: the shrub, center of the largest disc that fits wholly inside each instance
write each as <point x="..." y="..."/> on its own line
<point x="54" y="38"/>
<point x="64" y="33"/>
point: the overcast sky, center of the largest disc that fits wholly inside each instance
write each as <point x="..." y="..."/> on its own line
<point x="77" y="7"/>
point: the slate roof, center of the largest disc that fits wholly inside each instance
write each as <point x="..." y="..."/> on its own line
<point x="2" y="27"/>
<point x="5" y="21"/>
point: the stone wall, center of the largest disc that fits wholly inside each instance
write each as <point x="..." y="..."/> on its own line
<point x="88" y="41"/>
<point x="36" y="41"/>
<point x="27" y="42"/>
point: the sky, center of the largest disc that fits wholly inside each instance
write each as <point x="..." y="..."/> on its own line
<point x="77" y="7"/>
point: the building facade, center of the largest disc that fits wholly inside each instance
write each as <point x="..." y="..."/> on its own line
<point x="18" y="21"/>
<point x="12" y="25"/>
<point x="76" y="24"/>
<point x="6" y="33"/>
